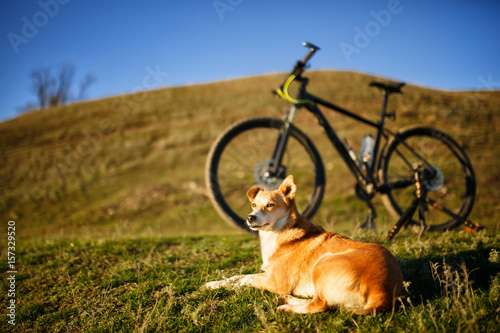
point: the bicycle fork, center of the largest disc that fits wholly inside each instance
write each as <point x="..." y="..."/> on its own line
<point x="276" y="169"/>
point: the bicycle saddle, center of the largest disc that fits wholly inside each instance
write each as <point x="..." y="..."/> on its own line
<point x="389" y="88"/>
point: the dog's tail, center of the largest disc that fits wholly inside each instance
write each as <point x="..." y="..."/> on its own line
<point x="378" y="302"/>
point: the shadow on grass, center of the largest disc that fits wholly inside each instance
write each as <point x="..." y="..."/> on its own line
<point x="437" y="276"/>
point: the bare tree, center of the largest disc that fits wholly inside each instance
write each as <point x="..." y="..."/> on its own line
<point x="64" y="83"/>
<point x="42" y="84"/>
<point x="52" y="87"/>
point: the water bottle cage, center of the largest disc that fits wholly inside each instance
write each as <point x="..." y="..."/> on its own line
<point x="367" y="158"/>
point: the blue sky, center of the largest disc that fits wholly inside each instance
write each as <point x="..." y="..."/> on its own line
<point x="135" y="45"/>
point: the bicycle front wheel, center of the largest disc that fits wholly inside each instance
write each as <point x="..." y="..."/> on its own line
<point x="453" y="184"/>
<point x="240" y="159"/>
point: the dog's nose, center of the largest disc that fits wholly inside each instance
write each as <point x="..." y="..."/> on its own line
<point x="250" y="218"/>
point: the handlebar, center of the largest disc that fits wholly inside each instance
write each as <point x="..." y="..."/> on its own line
<point x="301" y="64"/>
<point x="282" y="91"/>
<point x="312" y="49"/>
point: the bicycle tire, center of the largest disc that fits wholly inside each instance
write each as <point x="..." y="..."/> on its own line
<point x="454" y="185"/>
<point x="236" y="156"/>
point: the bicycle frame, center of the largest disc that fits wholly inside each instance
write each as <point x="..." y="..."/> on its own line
<point x="365" y="180"/>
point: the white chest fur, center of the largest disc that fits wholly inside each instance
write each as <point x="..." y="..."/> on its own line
<point x="267" y="246"/>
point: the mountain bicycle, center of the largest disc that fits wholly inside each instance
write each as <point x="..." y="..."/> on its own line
<point x="417" y="169"/>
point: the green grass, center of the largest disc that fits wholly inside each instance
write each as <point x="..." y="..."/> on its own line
<point x="142" y="284"/>
<point x="114" y="230"/>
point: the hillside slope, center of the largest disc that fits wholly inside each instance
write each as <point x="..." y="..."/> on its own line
<point x="133" y="164"/>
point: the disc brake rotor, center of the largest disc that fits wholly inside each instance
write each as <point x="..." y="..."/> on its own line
<point x="263" y="178"/>
<point x="436" y="182"/>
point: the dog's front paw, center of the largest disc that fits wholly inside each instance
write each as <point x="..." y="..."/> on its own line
<point x="216" y="284"/>
<point x="285" y="308"/>
<point x="234" y="281"/>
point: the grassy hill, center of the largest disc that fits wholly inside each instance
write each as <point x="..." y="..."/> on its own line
<point x="112" y="217"/>
<point x="133" y="164"/>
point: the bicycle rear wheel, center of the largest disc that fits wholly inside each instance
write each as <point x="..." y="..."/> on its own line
<point x="240" y="159"/>
<point x="453" y="184"/>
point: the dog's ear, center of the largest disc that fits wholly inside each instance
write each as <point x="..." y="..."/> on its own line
<point x="288" y="188"/>
<point x="253" y="192"/>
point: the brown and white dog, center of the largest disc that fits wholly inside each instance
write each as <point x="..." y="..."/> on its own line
<point x="304" y="260"/>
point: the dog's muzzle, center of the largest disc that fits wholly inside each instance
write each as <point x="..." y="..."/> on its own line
<point x="251" y="219"/>
<point x="253" y="224"/>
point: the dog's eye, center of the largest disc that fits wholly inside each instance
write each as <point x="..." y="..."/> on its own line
<point x="254" y="205"/>
<point x="270" y="205"/>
